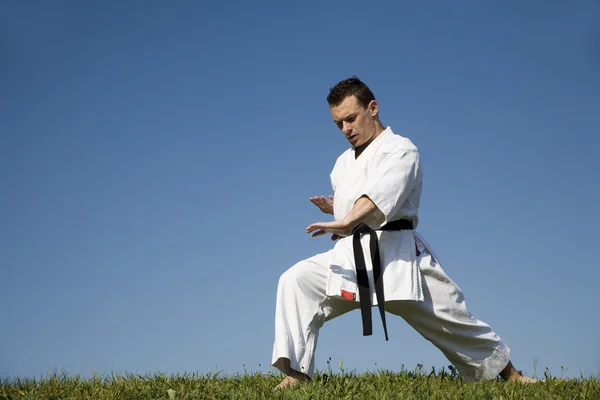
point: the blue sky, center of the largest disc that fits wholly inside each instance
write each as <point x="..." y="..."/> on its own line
<point x="156" y="162"/>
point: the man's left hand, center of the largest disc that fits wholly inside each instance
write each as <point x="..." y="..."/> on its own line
<point x="339" y="228"/>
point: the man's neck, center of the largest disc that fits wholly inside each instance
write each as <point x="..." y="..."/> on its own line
<point x="378" y="131"/>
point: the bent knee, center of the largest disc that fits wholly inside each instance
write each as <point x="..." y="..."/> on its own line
<point x="296" y="273"/>
<point x="304" y="274"/>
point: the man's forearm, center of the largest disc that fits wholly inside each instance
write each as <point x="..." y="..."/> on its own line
<point x="366" y="211"/>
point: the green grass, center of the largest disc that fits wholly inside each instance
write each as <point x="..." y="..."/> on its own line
<point x="416" y="384"/>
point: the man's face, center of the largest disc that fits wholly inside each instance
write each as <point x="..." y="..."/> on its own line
<point x="356" y="122"/>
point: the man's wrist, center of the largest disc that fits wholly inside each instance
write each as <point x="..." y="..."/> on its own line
<point x="349" y="224"/>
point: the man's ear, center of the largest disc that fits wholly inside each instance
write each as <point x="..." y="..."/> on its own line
<point x="373" y="108"/>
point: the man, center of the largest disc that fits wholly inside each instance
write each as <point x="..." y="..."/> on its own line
<point x="378" y="259"/>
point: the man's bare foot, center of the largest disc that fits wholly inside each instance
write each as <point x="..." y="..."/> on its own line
<point x="290" y="382"/>
<point x="293" y="379"/>
<point x="510" y="374"/>
<point x="523" y="379"/>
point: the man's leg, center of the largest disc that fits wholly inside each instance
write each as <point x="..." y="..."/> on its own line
<point x="469" y="344"/>
<point x="302" y="308"/>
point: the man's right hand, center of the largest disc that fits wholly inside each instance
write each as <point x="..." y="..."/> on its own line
<point x="324" y="204"/>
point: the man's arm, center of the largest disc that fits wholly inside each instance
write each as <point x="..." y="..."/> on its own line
<point x="364" y="210"/>
<point x="388" y="188"/>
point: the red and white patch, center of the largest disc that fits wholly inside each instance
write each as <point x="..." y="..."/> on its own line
<point x="348" y="295"/>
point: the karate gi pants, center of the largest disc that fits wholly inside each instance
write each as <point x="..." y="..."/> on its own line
<point x="442" y="318"/>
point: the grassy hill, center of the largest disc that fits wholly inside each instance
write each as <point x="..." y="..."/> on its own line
<point x="416" y="384"/>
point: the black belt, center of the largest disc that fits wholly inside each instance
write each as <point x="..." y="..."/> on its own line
<point x="361" y="271"/>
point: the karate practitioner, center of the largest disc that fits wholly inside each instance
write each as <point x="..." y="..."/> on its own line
<point x="378" y="257"/>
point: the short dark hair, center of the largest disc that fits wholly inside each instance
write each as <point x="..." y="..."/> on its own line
<point x="350" y="87"/>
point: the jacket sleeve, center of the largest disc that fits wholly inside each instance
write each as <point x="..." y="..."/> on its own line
<point x="393" y="180"/>
<point x="333" y="181"/>
<point x="333" y="176"/>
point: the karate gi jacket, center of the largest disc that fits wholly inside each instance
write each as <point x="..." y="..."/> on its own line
<point x="389" y="173"/>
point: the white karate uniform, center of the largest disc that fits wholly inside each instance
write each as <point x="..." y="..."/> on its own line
<point x="416" y="287"/>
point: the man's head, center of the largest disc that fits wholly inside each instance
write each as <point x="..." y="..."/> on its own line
<point x="355" y="111"/>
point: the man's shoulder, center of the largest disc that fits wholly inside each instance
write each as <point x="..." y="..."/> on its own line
<point x="398" y="143"/>
<point x="345" y="155"/>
